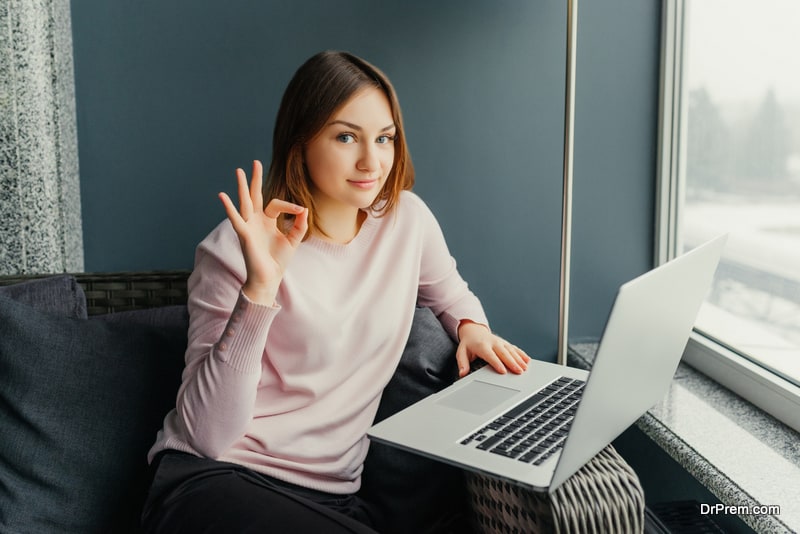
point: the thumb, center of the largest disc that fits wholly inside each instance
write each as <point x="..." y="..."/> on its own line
<point x="462" y="359"/>
<point x="298" y="230"/>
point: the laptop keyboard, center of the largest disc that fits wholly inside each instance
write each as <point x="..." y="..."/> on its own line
<point x="535" y="429"/>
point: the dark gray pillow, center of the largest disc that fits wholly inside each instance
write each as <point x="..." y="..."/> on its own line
<point x="412" y="493"/>
<point x="59" y="294"/>
<point x="166" y="316"/>
<point x="80" y="404"/>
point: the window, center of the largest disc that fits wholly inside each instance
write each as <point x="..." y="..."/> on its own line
<point x="730" y="162"/>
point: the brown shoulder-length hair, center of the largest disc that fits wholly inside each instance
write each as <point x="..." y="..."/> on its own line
<point x="322" y="85"/>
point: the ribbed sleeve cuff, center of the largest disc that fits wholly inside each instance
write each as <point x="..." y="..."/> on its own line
<point x="452" y="322"/>
<point x="242" y="343"/>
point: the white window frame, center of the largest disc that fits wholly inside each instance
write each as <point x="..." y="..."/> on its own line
<point x="773" y="394"/>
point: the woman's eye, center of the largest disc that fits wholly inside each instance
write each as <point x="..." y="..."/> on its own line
<point x="346" y="138"/>
<point x="385" y="139"/>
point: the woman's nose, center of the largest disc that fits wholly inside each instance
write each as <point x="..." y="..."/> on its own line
<point x="368" y="162"/>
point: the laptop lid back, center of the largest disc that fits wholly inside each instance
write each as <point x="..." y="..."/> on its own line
<point x="642" y="344"/>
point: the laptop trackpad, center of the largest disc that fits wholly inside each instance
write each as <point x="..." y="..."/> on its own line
<point x="477" y="397"/>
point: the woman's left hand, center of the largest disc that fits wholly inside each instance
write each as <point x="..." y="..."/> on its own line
<point x="476" y="341"/>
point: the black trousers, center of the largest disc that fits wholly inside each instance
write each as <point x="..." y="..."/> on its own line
<point x="194" y="495"/>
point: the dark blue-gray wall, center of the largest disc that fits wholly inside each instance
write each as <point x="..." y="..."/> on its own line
<point x="172" y="96"/>
<point x="616" y="131"/>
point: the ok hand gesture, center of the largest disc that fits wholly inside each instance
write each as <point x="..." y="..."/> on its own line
<point x="266" y="248"/>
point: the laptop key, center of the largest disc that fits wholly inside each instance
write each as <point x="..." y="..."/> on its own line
<point x="508" y="453"/>
<point x="523" y="406"/>
<point x="489" y="442"/>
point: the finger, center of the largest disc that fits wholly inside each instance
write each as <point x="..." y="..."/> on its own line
<point x="245" y="203"/>
<point x="462" y="359"/>
<point x="298" y="230"/>
<point x="230" y="210"/>
<point x="491" y="357"/>
<point x="277" y="206"/>
<point x="509" y="359"/>
<point x="519" y="356"/>
<point x="256" y="196"/>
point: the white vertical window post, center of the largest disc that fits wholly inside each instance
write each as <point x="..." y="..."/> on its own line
<point x="566" y="209"/>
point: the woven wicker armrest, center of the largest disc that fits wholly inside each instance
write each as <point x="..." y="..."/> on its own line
<point x="603" y="496"/>
<point x="114" y="292"/>
<point x="123" y="291"/>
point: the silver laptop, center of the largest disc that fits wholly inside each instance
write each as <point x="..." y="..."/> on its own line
<point x="538" y="428"/>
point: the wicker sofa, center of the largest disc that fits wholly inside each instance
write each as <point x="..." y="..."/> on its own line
<point x="90" y="364"/>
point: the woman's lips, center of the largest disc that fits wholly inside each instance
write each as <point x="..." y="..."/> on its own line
<point x="362" y="184"/>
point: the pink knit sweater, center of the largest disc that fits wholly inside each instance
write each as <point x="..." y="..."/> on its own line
<point x="290" y="390"/>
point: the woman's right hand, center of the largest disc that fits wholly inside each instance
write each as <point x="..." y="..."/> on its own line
<point x="267" y="250"/>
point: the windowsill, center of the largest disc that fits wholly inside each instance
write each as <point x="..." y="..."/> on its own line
<point x="741" y="454"/>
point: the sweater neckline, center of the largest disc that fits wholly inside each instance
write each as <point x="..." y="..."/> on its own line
<point x="360" y="241"/>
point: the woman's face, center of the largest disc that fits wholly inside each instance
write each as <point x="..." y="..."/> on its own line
<point x="350" y="158"/>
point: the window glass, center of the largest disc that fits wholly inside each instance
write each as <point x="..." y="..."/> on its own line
<point x="741" y="171"/>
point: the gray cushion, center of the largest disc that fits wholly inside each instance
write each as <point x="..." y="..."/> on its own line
<point x="80" y="404"/>
<point x="176" y="316"/>
<point x="412" y="493"/>
<point x="59" y="294"/>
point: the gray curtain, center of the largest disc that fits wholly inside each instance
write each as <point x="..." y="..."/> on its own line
<point x="40" y="210"/>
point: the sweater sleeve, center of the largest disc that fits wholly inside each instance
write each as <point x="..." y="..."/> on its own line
<point x="441" y="287"/>
<point x="226" y="340"/>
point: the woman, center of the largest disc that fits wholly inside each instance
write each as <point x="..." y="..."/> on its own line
<point x="301" y="303"/>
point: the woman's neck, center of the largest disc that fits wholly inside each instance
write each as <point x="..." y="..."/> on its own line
<point x="340" y="226"/>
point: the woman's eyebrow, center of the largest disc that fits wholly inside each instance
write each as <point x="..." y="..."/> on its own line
<point x="357" y="127"/>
